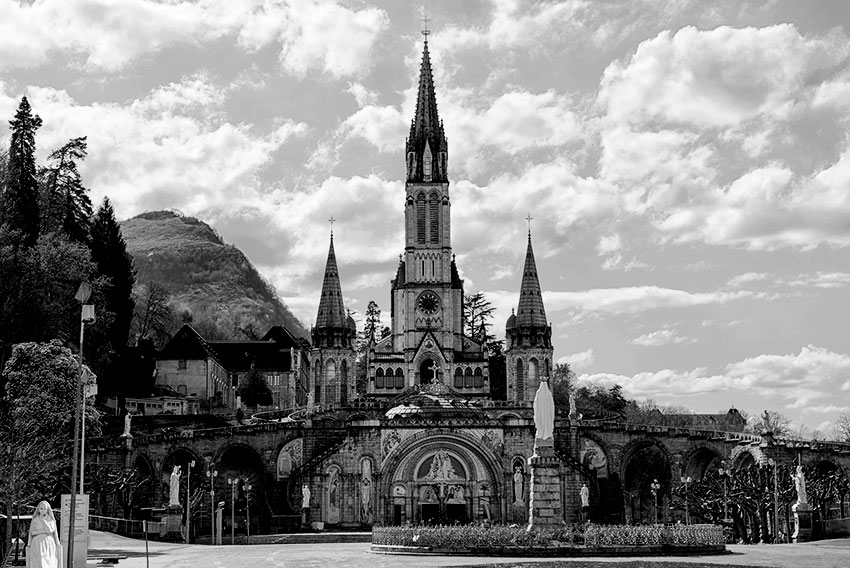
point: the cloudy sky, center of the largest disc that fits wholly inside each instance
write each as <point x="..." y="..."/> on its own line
<point x="687" y="163"/>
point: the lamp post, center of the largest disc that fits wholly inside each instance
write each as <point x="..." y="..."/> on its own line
<point x="772" y="463"/>
<point x="211" y="475"/>
<point x="655" y="487"/>
<point x="232" y="483"/>
<point x="86" y="316"/>
<point x="724" y="473"/>
<point x="686" y="481"/>
<point x="189" y="498"/>
<point x="247" y="512"/>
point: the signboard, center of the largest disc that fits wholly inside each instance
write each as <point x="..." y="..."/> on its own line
<point x="81" y="528"/>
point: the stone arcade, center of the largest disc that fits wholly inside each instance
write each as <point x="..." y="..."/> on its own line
<point x="425" y="442"/>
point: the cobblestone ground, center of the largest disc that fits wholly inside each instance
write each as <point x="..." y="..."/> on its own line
<point x="822" y="554"/>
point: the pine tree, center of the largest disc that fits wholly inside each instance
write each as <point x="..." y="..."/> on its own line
<point x="109" y="253"/>
<point x="373" y="320"/>
<point x="19" y="204"/>
<point x="65" y="204"/>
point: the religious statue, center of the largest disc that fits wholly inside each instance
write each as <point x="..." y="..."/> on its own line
<point x="305" y="496"/>
<point x="174" y="487"/>
<point x="519" y="480"/>
<point x="441" y="467"/>
<point x="366" y="492"/>
<point x="573" y="411"/>
<point x="584" y="493"/>
<point x="544" y="412"/>
<point x="127" y="419"/>
<point x="800" y="485"/>
<point x="43" y="547"/>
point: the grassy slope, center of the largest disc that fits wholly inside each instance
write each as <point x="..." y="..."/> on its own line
<point x="202" y="272"/>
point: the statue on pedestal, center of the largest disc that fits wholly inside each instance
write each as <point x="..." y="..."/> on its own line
<point x="127" y="419"/>
<point x="800" y="485"/>
<point x="584" y="493"/>
<point x="174" y="487"/>
<point x="544" y="412"/>
<point x="305" y="496"/>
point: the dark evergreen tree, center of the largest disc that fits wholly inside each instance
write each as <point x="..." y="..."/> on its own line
<point x="109" y="253"/>
<point x="254" y="390"/>
<point x="373" y="320"/>
<point x="65" y="204"/>
<point x="19" y="204"/>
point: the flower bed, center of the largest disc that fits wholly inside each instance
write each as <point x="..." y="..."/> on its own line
<point x="592" y="540"/>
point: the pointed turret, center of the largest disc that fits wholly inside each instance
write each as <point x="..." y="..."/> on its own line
<point x="530" y="311"/>
<point x="427" y="149"/>
<point x="332" y="323"/>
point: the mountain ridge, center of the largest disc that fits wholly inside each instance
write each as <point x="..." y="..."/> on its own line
<point x="206" y="277"/>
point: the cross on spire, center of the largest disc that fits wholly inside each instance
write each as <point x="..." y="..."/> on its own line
<point x="425" y="20"/>
<point x="332" y="221"/>
<point x="529" y="219"/>
<point x="434" y="368"/>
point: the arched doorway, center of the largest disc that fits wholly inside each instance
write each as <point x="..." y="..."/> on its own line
<point x="646" y="465"/>
<point x="442" y="478"/>
<point x="426" y="372"/>
<point x="240" y="484"/>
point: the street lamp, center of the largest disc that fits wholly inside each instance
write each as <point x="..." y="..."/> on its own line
<point x="655" y="487"/>
<point x="686" y="481"/>
<point x="724" y="473"/>
<point x="247" y="488"/>
<point x="86" y="316"/>
<point x="232" y="483"/>
<point x="211" y="475"/>
<point x="189" y="498"/>
<point x="772" y="463"/>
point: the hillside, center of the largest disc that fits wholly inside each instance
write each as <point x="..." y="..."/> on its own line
<point x="204" y="275"/>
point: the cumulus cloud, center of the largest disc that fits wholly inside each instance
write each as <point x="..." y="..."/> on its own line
<point x="659" y="338"/>
<point x="746" y="278"/>
<point x="637" y="299"/>
<point x="107" y="35"/>
<point x="579" y="360"/>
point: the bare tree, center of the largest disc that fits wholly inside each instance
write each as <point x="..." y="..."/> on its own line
<point x="842" y="427"/>
<point x="154" y="315"/>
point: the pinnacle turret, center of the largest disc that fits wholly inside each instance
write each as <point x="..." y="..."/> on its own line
<point x="530" y="311"/>
<point x="427" y="149"/>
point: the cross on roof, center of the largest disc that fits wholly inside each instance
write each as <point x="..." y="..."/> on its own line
<point x="425" y="20"/>
<point x="332" y="221"/>
<point x="529" y="219"/>
<point x="434" y="368"/>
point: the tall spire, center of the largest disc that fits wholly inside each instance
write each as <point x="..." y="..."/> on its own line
<point x="427" y="148"/>
<point x="530" y="311"/>
<point x="331" y="309"/>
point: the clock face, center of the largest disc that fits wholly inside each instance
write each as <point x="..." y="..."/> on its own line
<point x="428" y="303"/>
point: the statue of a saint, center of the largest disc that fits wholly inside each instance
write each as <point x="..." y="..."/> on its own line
<point x="519" y="480"/>
<point x="584" y="493"/>
<point x="800" y="485"/>
<point x="305" y="497"/>
<point x="127" y="419"/>
<point x="544" y="412"/>
<point x="174" y="487"/>
<point x="573" y="411"/>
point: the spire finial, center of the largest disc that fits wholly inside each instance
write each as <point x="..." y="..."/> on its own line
<point x="425" y="20"/>
<point x="529" y="219"/>
<point x="332" y="221"/>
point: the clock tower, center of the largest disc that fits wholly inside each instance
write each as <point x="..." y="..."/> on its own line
<point x="427" y="343"/>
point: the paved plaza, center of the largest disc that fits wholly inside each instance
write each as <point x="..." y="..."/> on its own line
<point x="821" y="554"/>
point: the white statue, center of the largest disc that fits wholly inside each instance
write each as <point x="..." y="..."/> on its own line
<point x="573" y="411"/>
<point x="519" y="480"/>
<point x="305" y="496"/>
<point x="174" y="487"/>
<point x="584" y="493"/>
<point x="127" y="419"/>
<point x="800" y="485"/>
<point x="544" y="412"/>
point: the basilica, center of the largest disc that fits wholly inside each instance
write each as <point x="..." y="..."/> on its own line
<point x="428" y="443"/>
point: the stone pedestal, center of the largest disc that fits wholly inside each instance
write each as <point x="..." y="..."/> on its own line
<point x="305" y="517"/>
<point x="802" y="522"/>
<point x="127" y="441"/>
<point x="545" y="506"/>
<point x="174" y="522"/>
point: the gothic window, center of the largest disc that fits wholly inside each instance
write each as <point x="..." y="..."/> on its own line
<point x="343" y="382"/>
<point x="479" y="378"/>
<point x="379" y="379"/>
<point x="467" y="379"/>
<point x="411" y="165"/>
<point x="533" y="373"/>
<point x="434" y="217"/>
<point x="420" y="218"/>
<point x="458" y="378"/>
<point x="426" y="163"/>
<point x="330" y="382"/>
<point x="520" y="381"/>
<point x="399" y="378"/>
<point x="317" y="382"/>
